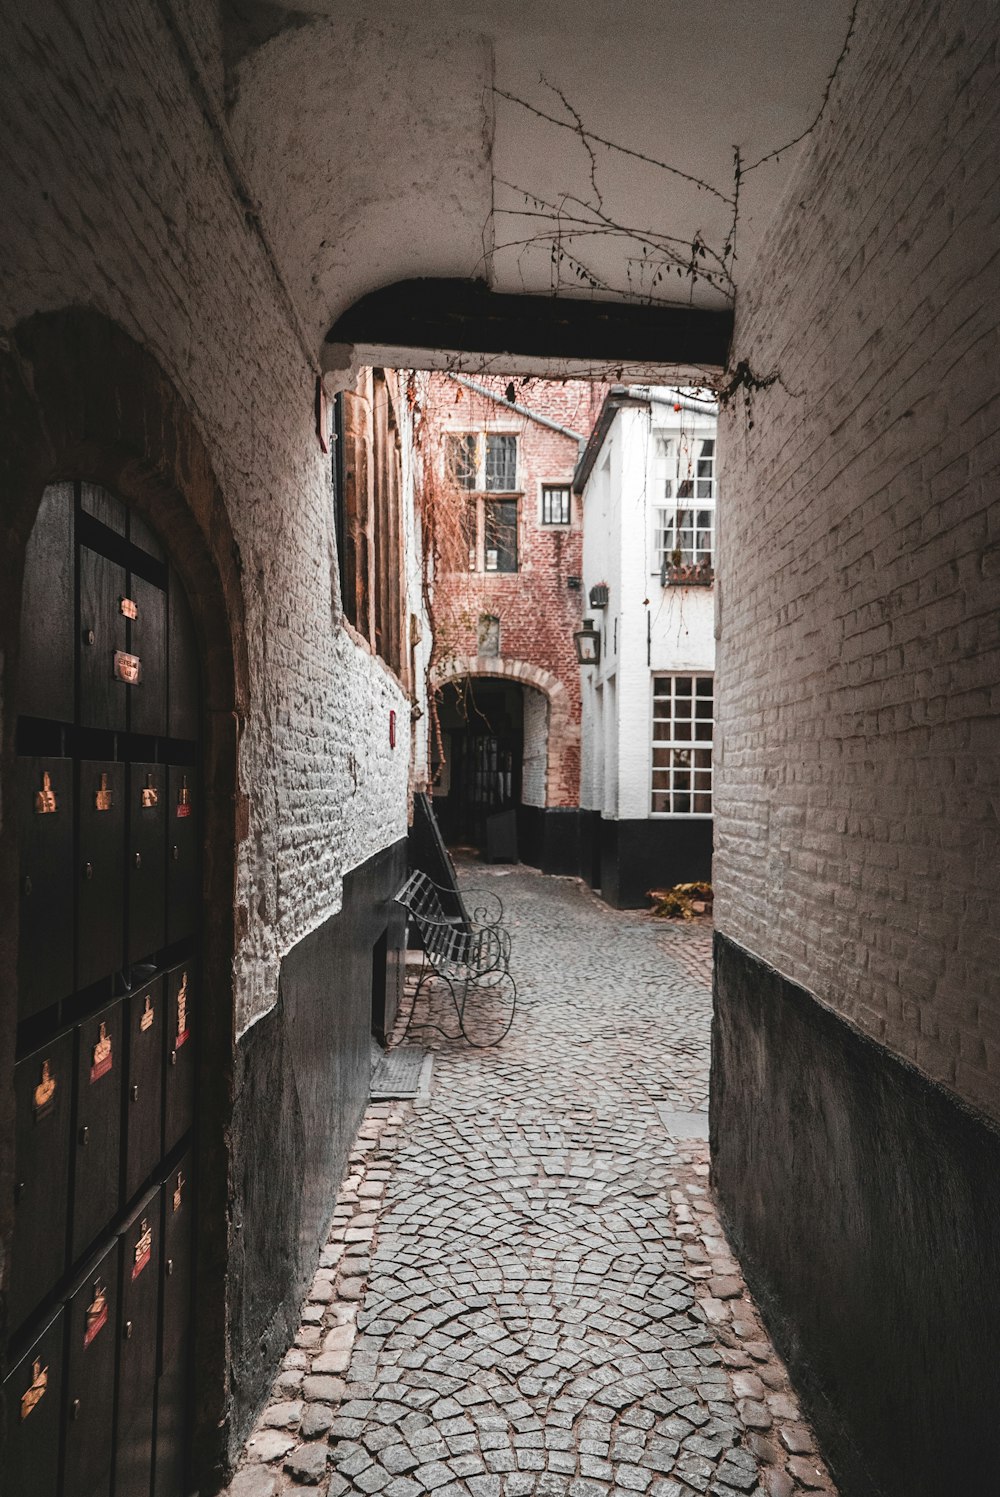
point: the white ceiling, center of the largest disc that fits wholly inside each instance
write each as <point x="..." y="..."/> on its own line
<point x="380" y="149"/>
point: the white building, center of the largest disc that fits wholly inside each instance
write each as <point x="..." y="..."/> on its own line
<point x="648" y="480"/>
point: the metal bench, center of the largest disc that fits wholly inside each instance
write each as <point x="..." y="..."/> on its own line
<point x="466" y="952"/>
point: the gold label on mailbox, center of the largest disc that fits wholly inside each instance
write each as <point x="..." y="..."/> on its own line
<point x="45" y="799"/>
<point x="128" y="608"/>
<point x="128" y="668"/>
<point x="184" y="798"/>
<point x="103" y="799"/>
<point x="143" y="1250"/>
<point x="182" y="1008"/>
<point x="97" y="1313"/>
<point x="150" y="794"/>
<point x="101" y="1056"/>
<point x="148" y="1015"/>
<point x="178" y="1190"/>
<point x="45" y="1092"/>
<point x="33" y="1395"/>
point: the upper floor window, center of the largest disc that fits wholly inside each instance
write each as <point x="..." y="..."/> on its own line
<point x="484" y="464"/>
<point x="483" y="460"/>
<point x="556" y="504"/>
<point x="684" y="488"/>
<point x="683" y="713"/>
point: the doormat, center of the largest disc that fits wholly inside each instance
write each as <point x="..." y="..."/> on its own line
<point x="398" y="1073"/>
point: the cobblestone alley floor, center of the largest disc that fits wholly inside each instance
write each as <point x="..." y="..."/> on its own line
<point x="526" y="1289"/>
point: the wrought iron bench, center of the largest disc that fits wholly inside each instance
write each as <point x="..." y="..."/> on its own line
<point x="466" y="952"/>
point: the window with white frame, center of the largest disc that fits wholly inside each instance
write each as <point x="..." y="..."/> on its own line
<point x="556" y="504"/>
<point x="683" y="713"/>
<point x="484" y="464"/>
<point x="684" y="501"/>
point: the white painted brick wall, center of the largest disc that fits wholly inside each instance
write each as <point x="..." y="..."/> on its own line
<point x="115" y="197"/>
<point x="858" y="791"/>
<point x="536" y="733"/>
<point x="645" y="627"/>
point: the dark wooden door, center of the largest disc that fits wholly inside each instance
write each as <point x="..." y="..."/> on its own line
<point x="108" y="1009"/>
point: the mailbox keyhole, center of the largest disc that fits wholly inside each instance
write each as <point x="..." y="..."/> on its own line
<point x="75" y="1408"/>
<point x="135" y="1094"/>
<point x="170" y="1267"/>
<point x="27" y="884"/>
<point x="175" y="852"/>
<point x="84" y="1135"/>
<point x="89" y="637"/>
<point x="138" y="860"/>
<point x="128" y="1330"/>
<point x="88" y="870"/>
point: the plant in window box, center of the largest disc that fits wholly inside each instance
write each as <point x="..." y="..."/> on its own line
<point x="678" y="573"/>
<point x="599" y="595"/>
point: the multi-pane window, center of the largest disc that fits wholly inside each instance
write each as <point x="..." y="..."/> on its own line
<point x="500" y="535"/>
<point x="501" y="462"/>
<point x="682" y="745"/>
<point x="462" y="457"/>
<point x="484" y="464"/>
<point x="684" y="502"/>
<point x="555" y="504"/>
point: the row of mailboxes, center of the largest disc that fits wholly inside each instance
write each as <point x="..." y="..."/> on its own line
<point x="129" y="888"/>
<point x="101" y="1395"/>
<point x="97" y="1109"/>
<point x="129" y="642"/>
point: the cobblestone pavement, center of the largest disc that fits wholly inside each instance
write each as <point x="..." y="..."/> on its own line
<point x="526" y="1289"/>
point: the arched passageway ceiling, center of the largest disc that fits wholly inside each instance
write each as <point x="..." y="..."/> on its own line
<point x="391" y="148"/>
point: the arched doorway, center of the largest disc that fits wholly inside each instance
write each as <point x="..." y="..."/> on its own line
<point x="118" y="772"/>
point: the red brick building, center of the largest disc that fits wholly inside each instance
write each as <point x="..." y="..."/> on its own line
<point x="499" y="459"/>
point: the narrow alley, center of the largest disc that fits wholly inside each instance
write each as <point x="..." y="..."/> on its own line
<point x="526" y="1287"/>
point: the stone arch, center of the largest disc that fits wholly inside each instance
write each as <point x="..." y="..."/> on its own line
<point x="80" y="399"/>
<point x="560" y="734"/>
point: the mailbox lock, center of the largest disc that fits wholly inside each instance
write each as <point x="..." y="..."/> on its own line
<point x="89" y="637"/>
<point x="88" y="870"/>
<point x="85" y="1135"/>
<point x="74" y="1408"/>
<point x="26" y="886"/>
<point x="170" y="1267"/>
<point x="138" y="860"/>
<point x="135" y="1093"/>
<point x="173" y="1057"/>
<point x="175" y="852"/>
<point x="19" y="1189"/>
<point x="128" y="1330"/>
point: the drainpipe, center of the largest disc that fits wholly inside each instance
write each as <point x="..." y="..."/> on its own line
<point x="512" y="405"/>
<point x="673" y="398"/>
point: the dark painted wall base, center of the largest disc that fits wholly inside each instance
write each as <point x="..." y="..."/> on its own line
<point x="636" y="856"/>
<point x="864" y="1203"/>
<point x="302" y="1076"/>
<point x="555" y="839"/>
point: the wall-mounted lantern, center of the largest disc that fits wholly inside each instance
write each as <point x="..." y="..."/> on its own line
<point x="588" y="644"/>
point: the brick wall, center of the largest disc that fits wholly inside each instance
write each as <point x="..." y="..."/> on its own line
<point x="117" y="196"/>
<point x="856" y="828"/>
<point x="538" y="611"/>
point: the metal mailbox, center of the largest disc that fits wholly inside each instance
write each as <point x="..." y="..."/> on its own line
<point x="178" y="1078"/>
<point x="148" y="645"/>
<point x="91" y="1355"/>
<point x="102" y="642"/>
<point x="33" y="1395"/>
<point x="43" y="1089"/>
<point x="172" y="1394"/>
<point x="45" y="796"/>
<point x="100" y="875"/>
<point x="137" y="1348"/>
<point x="100" y="1067"/>
<point x="182" y="696"/>
<point x="45" y="678"/>
<point x="183" y="995"/>
<point x="144" y="1085"/>
<point x="183" y="882"/>
<point x="146" y="869"/>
